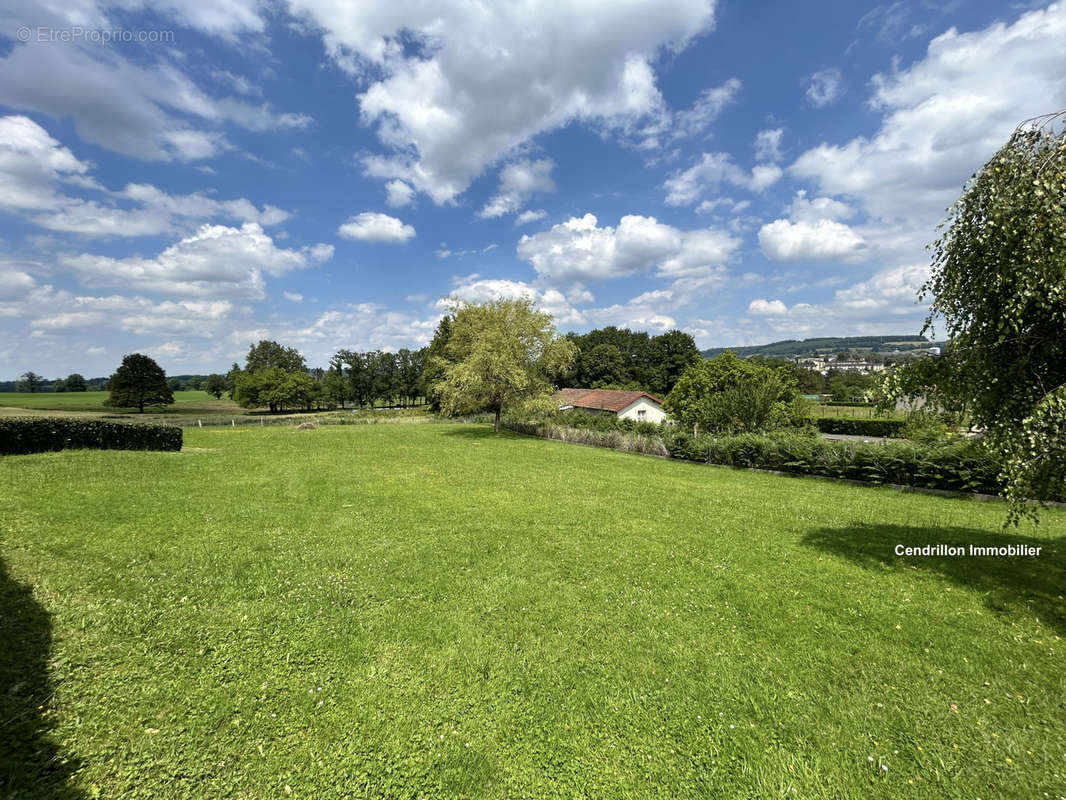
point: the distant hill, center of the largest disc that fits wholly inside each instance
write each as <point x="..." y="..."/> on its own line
<point x="828" y="344"/>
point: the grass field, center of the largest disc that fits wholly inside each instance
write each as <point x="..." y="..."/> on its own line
<point x="433" y="611"/>
<point x="185" y="403"/>
<point x="853" y="412"/>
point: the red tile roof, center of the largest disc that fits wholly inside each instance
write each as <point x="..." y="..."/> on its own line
<point x="601" y="399"/>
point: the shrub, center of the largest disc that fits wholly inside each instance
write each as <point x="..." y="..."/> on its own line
<point x="680" y="443"/>
<point x="892" y="428"/>
<point x="21" y="435"/>
<point x="928" y="427"/>
<point x="955" y="465"/>
<point x="963" y="466"/>
<point x="728" y="394"/>
<point x="614" y="439"/>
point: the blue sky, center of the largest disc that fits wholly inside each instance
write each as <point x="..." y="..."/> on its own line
<point x="185" y="180"/>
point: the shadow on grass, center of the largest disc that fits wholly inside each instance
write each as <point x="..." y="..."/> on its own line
<point x="1008" y="584"/>
<point x="478" y="430"/>
<point x="31" y="764"/>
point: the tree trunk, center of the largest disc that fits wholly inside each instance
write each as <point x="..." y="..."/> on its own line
<point x="497" y="419"/>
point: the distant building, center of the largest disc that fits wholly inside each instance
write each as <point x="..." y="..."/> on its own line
<point x="637" y="406"/>
<point x="824" y="364"/>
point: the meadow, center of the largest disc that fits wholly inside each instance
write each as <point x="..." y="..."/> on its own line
<point x="185" y="403"/>
<point x="819" y="410"/>
<point x="409" y="611"/>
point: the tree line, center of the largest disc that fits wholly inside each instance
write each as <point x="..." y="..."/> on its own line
<point x="32" y="382"/>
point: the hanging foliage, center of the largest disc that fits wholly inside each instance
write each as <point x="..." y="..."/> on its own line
<point x="998" y="283"/>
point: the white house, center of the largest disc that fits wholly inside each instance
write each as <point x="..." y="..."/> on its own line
<point x="637" y="406"/>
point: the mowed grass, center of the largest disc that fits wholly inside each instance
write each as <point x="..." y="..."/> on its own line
<point x="819" y="411"/>
<point x="185" y="403"/>
<point x="435" y="611"/>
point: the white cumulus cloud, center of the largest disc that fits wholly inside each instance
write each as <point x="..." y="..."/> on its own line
<point x="579" y="251"/>
<point x="398" y="194"/>
<point x="823" y="239"/>
<point x="475" y="289"/>
<point x="768" y="308"/>
<point x="37" y="172"/>
<point x="215" y="262"/>
<point x="530" y="216"/>
<point x="452" y="91"/>
<point x="371" y="226"/>
<point x="149" y="111"/>
<point x="518" y="183"/>
<point x="942" y="118"/>
<point x="708" y="174"/>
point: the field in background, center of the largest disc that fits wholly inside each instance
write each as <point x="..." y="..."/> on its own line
<point x="193" y="405"/>
<point x="431" y="610"/>
<point x="185" y="403"/>
<point x="819" y="411"/>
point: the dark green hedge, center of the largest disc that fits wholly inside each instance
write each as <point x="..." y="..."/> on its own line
<point x="20" y="435"/>
<point x="962" y="466"/>
<point x="892" y="428"/>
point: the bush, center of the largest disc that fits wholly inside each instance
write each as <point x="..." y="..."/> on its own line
<point x="628" y="442"/>
<point x="955" y="465"/>
<point x="892" y="428"/>
<point x="963" y="466"/>
<point x="928" y="427"/>
<point x="682" y="444"/>
<point x="21" y="435"/>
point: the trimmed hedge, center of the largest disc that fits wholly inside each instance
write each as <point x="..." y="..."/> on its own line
<point x="892" y="428"/>
<point x="962" y="466"/>
<point x="965" y="466"/>
<point x="21" y="435"/>
<point x="958" y="466"/>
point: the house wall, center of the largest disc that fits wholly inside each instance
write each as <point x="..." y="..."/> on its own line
<point x="653" y="411"/>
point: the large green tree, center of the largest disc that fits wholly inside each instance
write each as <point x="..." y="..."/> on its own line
<point x="653" y="363"/>
<point x="334" y="387"/>
<point x="998" y="283"/>
<point x="76" y="383"/>
<point x="435" y="361"/>
<point x="730" y="395"/>
<point x="850" y="385"/>
<point x="603" y="366"/>
<point x="214" y="385"/>
<point x="138" y="382"/>
<point x="29" y="382"/>
<point x="275" y="388"/>
<point x="671" y="353"/>
<point x="500" y="354"/>
<point x="273" y="376"/>
<point x="266" y="354"/>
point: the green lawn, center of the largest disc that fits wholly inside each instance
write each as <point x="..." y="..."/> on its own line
<point x="853" y="412"/>
<point x="433" y="611"/>
<point x="185" y="403"/>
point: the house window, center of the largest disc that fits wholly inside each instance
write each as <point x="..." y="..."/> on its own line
<point x="642" y="414"/>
